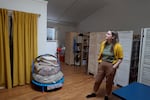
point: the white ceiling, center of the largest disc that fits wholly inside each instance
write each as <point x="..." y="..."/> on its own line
<point x="72" y="11"/>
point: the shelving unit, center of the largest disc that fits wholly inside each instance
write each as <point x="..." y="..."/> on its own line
<point x="77" y="49"/>
<point x="134" y="58"/>
<point x="85" y="50"/>
<point x="78" y="54"/>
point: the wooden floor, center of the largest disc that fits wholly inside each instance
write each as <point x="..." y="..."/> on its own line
<point x="76" y="86"/>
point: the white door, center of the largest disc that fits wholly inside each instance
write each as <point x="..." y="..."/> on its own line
<point x="144" y="64"/>
<point x="122" y="74"/>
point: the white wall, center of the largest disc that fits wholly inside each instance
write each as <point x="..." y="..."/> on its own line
<point x="38" y="7"/>
<point x="61" y="30"/>
<point x="119" y="15"/>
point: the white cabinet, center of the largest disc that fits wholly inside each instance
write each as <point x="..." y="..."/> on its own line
<point x="94" y="45"/>
<point x="123" y="72"/>
<point x="125" y="38"/>
<point x="144" y="65"/>
<point x="69" y="53"/>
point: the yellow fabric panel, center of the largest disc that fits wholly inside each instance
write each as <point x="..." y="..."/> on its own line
<point x="2" y="76"/>
<point x="25" y="33"/>
<point x="5" y="70"/>
<point x="21" y="65"/>
<point x="35" y="35"/>
<point x="27" y="48"/>
<point x="15" y="50"/>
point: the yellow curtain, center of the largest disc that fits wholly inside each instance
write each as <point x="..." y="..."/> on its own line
<point x="24" y="46"/>
<point x="5" y="70"/>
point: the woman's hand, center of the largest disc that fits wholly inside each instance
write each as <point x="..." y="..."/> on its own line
<point x="116" y="65"/>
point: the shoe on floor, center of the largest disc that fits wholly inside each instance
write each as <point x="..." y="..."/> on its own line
<point x="106" y="98"/>
<point x="91" y="95"/>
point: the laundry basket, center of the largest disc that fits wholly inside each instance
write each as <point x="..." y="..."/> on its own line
<point x="46" y="73"/>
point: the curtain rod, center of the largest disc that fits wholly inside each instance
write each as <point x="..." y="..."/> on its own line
<point x="10" y="11"/>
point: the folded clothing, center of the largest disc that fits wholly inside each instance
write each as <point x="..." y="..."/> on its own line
<point x="49" y="60"/>
<point x="48" y="79"/>
<point x="45" y="70"/>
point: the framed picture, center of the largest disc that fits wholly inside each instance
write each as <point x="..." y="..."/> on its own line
<point x="51" y="34"/>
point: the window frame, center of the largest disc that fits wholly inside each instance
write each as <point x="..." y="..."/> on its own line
<point x="51" y="34"/>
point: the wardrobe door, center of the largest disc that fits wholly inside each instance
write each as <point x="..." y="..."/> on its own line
<point x="92" y="54"/>
<point x="144" y="65"/>
<point x="94" y="45"/>
<point x="123" y="72"/>
<point x="69" y="53"/>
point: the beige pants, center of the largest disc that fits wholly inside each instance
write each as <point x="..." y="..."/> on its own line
<point x="105" y="69"/>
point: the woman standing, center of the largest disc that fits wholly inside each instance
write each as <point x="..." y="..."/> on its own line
<point x="110" y="56"/>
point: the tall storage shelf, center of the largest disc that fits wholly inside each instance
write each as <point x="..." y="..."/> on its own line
<point x="78" y="54"/>
<point x="85" y="48"/>
<point x="77" y="47"/>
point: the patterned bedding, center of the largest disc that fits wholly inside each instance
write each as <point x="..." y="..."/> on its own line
<point x="46" y="69"/>
<point x="48" y="79"/>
